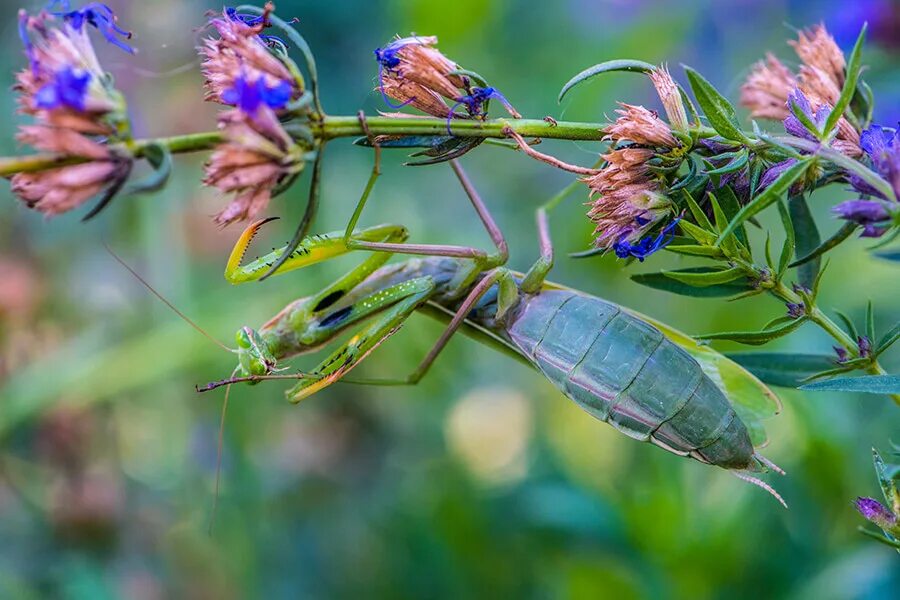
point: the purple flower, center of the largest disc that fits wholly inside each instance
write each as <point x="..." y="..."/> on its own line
<point x="67" y="89"/>
<point x="249" y="96"/>
<point x="792" y="124"/>
<point x="774" y="172"/>
<point x="475" y="101"/>
<point x="97" y="15"/>
<point x="864" y="345"/>
<point x="882" y="146"/>
<point x="795" y="311"/>
<point x="875" y="512"/>
<point x="647" y="245"/>
<point x="842" y="354"/>
<point x="870" y="214"/>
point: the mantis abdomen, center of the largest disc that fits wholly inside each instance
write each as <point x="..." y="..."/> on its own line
<point x="627" y="373"/>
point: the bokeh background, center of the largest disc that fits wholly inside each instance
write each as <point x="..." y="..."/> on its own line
<point x="483" y="480"/>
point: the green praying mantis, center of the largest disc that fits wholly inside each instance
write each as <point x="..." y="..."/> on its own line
<point x="647" y="380"/>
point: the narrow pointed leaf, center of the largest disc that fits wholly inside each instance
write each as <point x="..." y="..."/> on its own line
<point x="659" y="281"/>
<point x="718" y="110"/>
<point x="701" y="235"/>
<point x="736" y="163"/>
<point x="785" y="369"/>
<point x="787" y="250"/>
<point x="842" y="234"/>
<point x="714" y="277"/>
<point x="892" y="255"/>
<point x="848" y="323"/>
<point x="771" y="194"/>
<point x="695" y="250"/>
<point x="807" y="239"/>
<point x="853" y="67"/>
<point x="731" y="205"/>
<point x="869" y="384"/>
<point x="755" y="338"/>
<point x="888" y="339"/>
<point x="610" y="66"/>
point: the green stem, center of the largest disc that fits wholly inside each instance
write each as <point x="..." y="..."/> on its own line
<point x="335" y="127"/>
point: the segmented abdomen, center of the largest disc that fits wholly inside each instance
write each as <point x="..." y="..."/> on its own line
<point x="627" y="373"/>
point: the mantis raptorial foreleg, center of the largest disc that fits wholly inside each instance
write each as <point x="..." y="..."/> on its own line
<point x="311" y="250"/>
<point x="357" y="348"/>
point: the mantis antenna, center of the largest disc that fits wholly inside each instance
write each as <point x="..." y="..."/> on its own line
<point x="165" y="301"/>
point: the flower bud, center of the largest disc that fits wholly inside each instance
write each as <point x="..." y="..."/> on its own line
<point x="641" y="126"/>
<point x="875" y="512"/>
<point x="872" y="215"/>
<point x="670" y="96"/>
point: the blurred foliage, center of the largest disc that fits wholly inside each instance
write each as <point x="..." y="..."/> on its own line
<point x="482" y="480"/>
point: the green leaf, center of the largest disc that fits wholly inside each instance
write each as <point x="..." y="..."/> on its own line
<point x="870" y="321"/>
<point x="449" y="152"/>
<point x="787" y="250"/>
<point x="842" y="234"/>
<point x="697" y="212"/>
<point x="610" y="66"/>
<point x="755" y="338"/>
<point x="695" y="250"/>
<point x="848" y="323"/>
<point x="785" y="369"/>
<point x="701" y="235"/>
<point x="853" y="67"/>
<point x="869" y="384"/>
<point x="740" y="159"/>
<point x="888" y="477"/>
<point x="660" y="281"/>
<point x="731" y="205"/>
<point x="807" y="239"/>
<point x="888" y="339"/>
<point x="407" y="141"/>
<point x="771" y="194"/>
<point x="160" y="158"/>
<point x="708" y="278"/>
<point x="718" y="110"/>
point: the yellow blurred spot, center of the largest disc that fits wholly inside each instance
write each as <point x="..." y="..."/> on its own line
<point x="489" y="430"/>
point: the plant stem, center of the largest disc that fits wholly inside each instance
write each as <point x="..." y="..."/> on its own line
<point x="335" y="127"/>
<point x="818" y="317"/>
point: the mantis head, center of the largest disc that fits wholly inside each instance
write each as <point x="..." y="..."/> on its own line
<point x="254" y="355"/>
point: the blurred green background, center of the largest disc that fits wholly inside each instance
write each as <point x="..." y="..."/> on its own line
<point x="481" y="481"/>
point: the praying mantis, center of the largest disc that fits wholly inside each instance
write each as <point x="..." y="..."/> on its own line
<point x="645" y="380"/>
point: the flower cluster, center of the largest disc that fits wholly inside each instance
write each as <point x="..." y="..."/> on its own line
<point x="771" y="88"/>
<point x="256" y="156"/>
<point x="244" y="72"/>
<point x="627" y="199"/>
<point x="77" y="110"/>
<point x="875" y="212"/>
<point x="241" y="54"/>
<point x="414" y="72"/>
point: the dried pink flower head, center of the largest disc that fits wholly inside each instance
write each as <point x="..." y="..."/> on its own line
<point x="817" y="49"/>
<point x="417" y="60"/>
<point x="419" y="97"/>
<point x="641" y="126"/>
<point x="240" y="51"/>
<point x="767" y="89"/>
<point x="62" y="189"/>
<point x="670" y="96"/>
<point x="626" y="202"/>
<point x="256" y="156"/>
